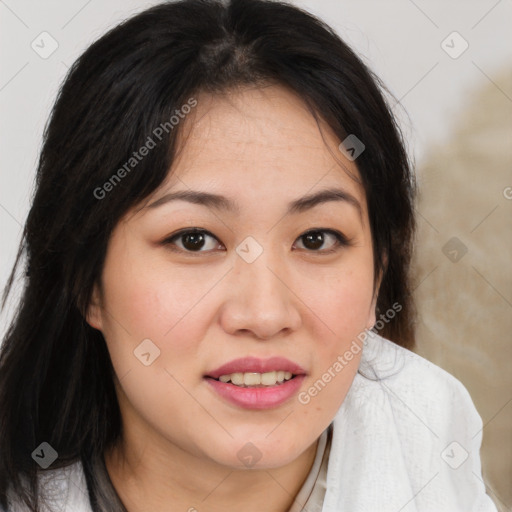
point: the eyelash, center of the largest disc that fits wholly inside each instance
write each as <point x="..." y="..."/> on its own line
<point x="341" y="240"/>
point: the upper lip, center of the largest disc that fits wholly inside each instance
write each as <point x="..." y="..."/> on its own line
<point x="255" y="365"/>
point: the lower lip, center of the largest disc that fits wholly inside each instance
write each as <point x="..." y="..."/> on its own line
<point x="257" y="398"/>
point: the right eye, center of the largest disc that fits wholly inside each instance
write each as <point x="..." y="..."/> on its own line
<point x="192" y="241"/>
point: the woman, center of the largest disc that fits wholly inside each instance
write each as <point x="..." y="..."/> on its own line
<point x="218" y="252"/>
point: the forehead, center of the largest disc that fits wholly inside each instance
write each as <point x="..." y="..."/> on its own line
<point x="259" y="140"/>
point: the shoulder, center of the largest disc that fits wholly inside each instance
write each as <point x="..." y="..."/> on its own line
<point x="411" y="429"/>
<point x="414" y="384"/>
<point x="64" y="490"/>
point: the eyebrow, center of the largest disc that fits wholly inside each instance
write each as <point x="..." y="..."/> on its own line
<point x="220" y="202"/>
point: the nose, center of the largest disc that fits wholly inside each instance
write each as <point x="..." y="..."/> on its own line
<point x="260" y="300"/>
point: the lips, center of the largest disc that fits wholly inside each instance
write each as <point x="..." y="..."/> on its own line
<point x="256" y="397"/>
<point x="255" y="365"/>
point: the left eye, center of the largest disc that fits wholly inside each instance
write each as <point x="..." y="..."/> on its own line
<point x="315" y="239"/>
<point x="194" y="240"/>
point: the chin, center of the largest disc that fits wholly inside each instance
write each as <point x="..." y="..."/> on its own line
<point x="257" y="452"/>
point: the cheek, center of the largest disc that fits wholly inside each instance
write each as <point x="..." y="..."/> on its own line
<point x="341" y="301"/>
<point x="157" y="302"/>
<point x="341" y="305"/>
<point x="147" y="300"/>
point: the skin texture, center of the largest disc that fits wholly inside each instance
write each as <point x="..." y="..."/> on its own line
<point x="261" y="148"/>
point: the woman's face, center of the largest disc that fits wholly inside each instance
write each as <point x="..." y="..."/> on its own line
<point x="253" y="283"/>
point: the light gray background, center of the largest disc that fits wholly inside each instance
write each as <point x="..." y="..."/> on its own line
<point x="451" y="109"/>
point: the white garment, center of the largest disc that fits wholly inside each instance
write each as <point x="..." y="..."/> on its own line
<point x="406" y="439"/>
<point x="400" y="443"/>
<point x="310" y="497"/>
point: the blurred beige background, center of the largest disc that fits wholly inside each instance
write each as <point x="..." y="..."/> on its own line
<point x="464" y="299"/>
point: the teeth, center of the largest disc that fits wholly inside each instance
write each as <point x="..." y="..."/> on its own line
<point x="252" y="379"/>
<point x="257" y="379"/>
<point x="268" y="379"/>
<point x="237" y="378"/>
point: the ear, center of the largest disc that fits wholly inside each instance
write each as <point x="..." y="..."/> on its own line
<point x="372" y="318"/>
<point x="94" y="317"/>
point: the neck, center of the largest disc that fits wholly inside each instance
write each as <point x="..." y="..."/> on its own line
<point x="150" y="479"/>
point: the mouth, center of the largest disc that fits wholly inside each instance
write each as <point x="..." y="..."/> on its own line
<point x="252" y="383"/>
